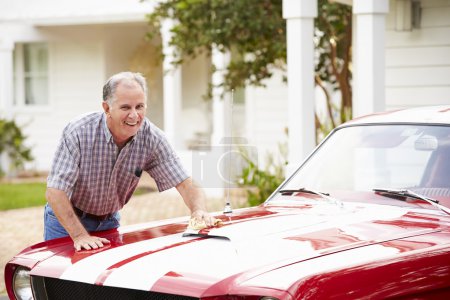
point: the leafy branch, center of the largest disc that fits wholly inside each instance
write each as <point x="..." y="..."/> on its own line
<point x="12" y="143"/>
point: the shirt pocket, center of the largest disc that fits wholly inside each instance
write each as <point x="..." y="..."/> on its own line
<point x="126" y="184"/>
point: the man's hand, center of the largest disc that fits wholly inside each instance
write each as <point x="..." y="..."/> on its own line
<point x="60" y="203"/>
<point x="194" y="198"/>
<point x="89" y="242"/>
<point x="203" y="216"/>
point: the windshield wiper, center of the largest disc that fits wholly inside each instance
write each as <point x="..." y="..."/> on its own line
<point x="411" y="194"/>
<point x="323" y="195"/>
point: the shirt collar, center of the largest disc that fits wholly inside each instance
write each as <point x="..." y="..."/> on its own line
<point x="108" y="135"/>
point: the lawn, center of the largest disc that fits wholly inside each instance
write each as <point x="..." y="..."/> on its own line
<point x="20" y="195"/>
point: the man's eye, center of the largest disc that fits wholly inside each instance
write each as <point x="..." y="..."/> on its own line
<point x="140" y="107"/>
<point x="124" y="108"/>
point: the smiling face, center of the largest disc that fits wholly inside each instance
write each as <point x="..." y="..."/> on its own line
<point x="127" y="112"/>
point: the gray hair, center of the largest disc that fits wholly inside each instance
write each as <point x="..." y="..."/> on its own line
<point x="109" y="89"/>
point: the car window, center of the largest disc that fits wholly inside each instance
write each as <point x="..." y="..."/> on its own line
<point x="361" y="158"/>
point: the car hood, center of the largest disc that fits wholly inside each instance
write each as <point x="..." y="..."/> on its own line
<point x="251" y="242"/>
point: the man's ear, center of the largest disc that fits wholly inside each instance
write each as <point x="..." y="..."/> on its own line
<point x="105" y="107"/>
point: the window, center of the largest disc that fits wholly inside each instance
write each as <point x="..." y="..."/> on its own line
<point x="361" y="158"/>
<point x="31" y="74"/>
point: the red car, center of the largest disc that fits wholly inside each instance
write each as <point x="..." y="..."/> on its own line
<point x="366" y="216"/>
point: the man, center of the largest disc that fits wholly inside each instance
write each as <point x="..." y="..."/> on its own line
<point x="99" y="161"/>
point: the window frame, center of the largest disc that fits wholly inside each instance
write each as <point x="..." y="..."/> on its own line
<point x="20" y="75"/>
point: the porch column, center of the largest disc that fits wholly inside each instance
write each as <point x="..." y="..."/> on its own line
<point x="172" y="89"/>
<point x="6" y="77"/>
<point x="220" y="106"/>
<point x="369" y="56"/>
<point x="299" y="15"/>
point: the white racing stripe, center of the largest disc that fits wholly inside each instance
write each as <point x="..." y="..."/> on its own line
<point x="282" y="278"/>
<point x="214" y="259"/>
<point x="90" y="268"/>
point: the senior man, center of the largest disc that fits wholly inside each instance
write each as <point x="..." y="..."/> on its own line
<point x="99" y="161"/>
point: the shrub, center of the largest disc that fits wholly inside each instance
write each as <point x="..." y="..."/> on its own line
<point x="12" y="143"/>
<point x="260" y="183"/>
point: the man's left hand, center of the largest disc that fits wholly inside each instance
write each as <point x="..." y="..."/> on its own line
<point x="201" y="215"/>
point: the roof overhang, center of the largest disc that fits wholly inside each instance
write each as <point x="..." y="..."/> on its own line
<point x="85" y="20"/>
<point x="83" y="12"/>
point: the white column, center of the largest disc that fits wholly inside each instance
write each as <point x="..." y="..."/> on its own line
<point x="172" y="89"/>
<point x="220" y="106"/>
<point x="369" y="56"/>
<point x="299" y="15"/>
<point x="6" y="76"/>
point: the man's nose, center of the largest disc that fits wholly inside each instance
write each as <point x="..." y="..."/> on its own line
<point x="133" y="113"/>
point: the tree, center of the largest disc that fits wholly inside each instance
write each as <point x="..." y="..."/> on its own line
<point x="254" y="31"/>
<point x="12" y="143"/>
<point x="333" y="37"/>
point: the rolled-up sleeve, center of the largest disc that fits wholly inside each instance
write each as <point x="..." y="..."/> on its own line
<point x="165" y="166"/>
<point x="65" y="167"/>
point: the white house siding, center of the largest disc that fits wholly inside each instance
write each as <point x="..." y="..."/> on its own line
<point x="267" y="116"/>
<point x="418" y="61"/>
<point x="196" y="111"/>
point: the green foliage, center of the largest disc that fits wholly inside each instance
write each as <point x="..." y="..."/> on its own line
<point x="252" y="30"/>
<point x="333" y="41"/>
<point x="260" y="183"/>
<point x="12" y="143"/>
<point x="142" y="190"/>
<point x="20" y="195"/>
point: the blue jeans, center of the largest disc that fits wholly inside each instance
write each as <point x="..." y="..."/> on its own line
<point x="53" y="229"/>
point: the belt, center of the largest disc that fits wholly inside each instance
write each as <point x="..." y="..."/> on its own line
<point x="83" y="214"/>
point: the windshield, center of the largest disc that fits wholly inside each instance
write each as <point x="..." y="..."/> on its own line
<point x="367" y="157"/>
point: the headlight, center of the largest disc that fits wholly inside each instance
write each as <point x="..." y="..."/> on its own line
<point x="22" y="284"/>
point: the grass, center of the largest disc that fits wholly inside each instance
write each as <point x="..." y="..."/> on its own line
<point x="20" y="195"/>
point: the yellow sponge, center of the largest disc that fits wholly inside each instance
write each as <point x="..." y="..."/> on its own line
<point x="198" y="225"/>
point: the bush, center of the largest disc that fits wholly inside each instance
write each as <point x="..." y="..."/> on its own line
<point x="12" y="143"/>
<point x="260" y="183"/>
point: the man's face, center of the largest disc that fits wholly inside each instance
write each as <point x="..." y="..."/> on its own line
<point x="127" y="112"/>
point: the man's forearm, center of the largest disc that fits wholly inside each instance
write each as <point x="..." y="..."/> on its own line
<point x="195" y="199"/>
<point x="63" y="210"/>
<point x="192" y="195"/>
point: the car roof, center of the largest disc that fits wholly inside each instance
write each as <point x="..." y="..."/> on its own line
<point x="423" y="115"/>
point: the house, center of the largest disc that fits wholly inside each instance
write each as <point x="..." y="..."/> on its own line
<point x="56" y="55"/>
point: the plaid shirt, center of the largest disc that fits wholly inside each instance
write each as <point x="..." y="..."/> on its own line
<point x="97" y="177"/>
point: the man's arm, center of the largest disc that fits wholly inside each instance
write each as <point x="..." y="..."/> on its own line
<point x="194" y="198"/>
<point x="63" y="210"/>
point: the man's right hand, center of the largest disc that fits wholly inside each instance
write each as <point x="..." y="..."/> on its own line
<point x="60" y="203"/>
<point x="89" y="242"/>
